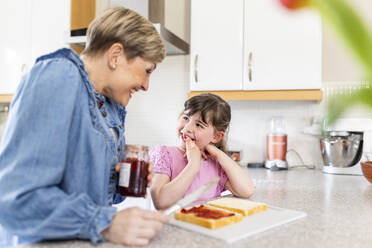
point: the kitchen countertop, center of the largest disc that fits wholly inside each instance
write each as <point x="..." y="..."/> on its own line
<point x="338" y="207"/>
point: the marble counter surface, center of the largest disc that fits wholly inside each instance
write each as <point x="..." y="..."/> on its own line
<point x="338" y="207"/>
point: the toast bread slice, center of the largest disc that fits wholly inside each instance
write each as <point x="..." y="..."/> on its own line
<point x="238" y="205"/>
<point x="204" y="220"/>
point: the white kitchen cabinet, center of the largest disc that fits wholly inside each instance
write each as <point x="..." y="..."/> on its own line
<point x="253" y="45"/>
<point x="29" y="29"/>
<point x="15" y="47"/>
<point x="50" y="24"/>
<point x="216" y="39"/>
<point x="282" y="49"/>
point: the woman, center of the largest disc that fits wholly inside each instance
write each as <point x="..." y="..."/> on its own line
<point x="65" y="134"/>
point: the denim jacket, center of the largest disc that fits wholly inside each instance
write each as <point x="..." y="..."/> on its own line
<point x="58" y="154"/>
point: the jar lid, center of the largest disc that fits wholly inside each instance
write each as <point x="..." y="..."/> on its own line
<point x="339" y="133"/>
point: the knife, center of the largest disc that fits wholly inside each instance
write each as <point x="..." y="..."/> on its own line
<point x="192" y="197"/>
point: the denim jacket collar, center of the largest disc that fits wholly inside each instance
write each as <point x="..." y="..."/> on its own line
<point x="72" y="56"/>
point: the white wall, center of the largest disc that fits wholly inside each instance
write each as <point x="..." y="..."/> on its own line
<point x="152" y="115"/>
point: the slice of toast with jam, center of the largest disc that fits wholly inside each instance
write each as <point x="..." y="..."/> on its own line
<point x="208" y="216"/>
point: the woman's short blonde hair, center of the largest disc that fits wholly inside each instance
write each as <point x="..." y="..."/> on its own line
<point x="121" y="25"/>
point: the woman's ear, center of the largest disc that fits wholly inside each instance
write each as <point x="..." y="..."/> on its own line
<point x="113" y="54"/>
<point x="218" y="136"/>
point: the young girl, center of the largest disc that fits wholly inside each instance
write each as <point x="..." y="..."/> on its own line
<point x="200" y="156"/>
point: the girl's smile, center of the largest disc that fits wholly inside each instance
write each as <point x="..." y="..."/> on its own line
<point x="183" y="136"/>
<point x="193" y="126"/>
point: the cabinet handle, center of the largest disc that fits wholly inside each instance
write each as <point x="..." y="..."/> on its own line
<point x="196" y="68"/>
<point x="5" y="109"/>
<point x="250" y="56"/>
<point x="23" y="68"/>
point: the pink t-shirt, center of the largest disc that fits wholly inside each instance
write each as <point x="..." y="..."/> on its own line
<point x="169" y="160"/>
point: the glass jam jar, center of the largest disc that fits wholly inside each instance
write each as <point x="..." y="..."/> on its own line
<point x="134" y="171"/>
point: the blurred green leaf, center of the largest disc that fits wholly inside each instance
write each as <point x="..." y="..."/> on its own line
<point x="350" y="27"/>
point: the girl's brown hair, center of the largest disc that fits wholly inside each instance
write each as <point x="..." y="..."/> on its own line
<point x="212" y="109"/>
<point x="121" y="25"/>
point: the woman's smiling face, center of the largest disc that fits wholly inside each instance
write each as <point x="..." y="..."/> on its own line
<point x="128" y="77"/>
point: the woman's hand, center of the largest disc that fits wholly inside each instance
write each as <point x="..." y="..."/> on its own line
<point x="134" y="226"/>
<point x="117" y="167"/>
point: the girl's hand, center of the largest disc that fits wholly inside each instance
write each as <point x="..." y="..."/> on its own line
<point x="212" y="151"/>
<point x="193" y="153"/>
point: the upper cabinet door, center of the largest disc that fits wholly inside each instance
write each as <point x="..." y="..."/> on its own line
<point x="29" y="29"/>
<point x="15" y="43"/>
<point x="50" y="24"/>
<point x="216" y="52"/>
<point x="282" y="48"/>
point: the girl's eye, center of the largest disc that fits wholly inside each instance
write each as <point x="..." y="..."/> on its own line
<point x="148" y="71"/>
<point x="199" y="125"/>
<point x="185" y="117"/>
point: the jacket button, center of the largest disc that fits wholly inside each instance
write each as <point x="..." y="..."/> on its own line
<point x="104" y="113"/>
<point x="121" y="126"/>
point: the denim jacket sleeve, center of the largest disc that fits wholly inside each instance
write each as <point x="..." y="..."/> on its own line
<point x="33" y="160"/>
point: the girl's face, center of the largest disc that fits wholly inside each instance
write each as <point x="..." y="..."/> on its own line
<point x="200" y="132"/>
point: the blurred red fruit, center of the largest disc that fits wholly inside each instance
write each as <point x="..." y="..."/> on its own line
<point x="294" y="4"/>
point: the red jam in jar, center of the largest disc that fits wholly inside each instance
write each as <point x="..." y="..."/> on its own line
<point x="134" y="171"/>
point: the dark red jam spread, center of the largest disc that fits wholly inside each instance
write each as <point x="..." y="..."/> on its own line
<point x="206" y="213"/>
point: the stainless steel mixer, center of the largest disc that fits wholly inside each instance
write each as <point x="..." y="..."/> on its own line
<point x="345" y="145"/>
<point x="342" y="149"/>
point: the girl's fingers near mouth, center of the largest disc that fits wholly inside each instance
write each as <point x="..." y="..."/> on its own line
<point x="189" y="142"/>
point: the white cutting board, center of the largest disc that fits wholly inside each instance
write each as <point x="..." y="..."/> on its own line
<point x="250" y="225"/>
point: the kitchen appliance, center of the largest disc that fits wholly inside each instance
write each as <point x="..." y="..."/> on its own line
<point x="276" y="145"/>
<point x="161" y="13"/>
<point x="345" y="145"/>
